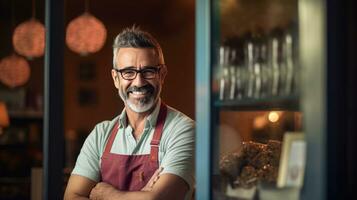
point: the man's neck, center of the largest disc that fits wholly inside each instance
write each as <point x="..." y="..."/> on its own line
<point x="137" y="120"/>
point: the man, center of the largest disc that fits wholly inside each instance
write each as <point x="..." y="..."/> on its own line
<point x="147" y="151"/>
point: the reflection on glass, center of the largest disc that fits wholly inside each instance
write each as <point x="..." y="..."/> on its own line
<point x="257" y="62"/>
<point x="224" y="73"/>
<point x="263" y="67"/>
<point x="250" y="147"/>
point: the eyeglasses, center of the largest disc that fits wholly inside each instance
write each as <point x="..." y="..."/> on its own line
<point x="148" y="72"/>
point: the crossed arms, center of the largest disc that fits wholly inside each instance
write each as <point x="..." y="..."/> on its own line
<point x="168" y="186"/>
<point x="173" y="184"/>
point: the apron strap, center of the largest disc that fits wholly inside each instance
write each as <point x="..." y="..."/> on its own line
<point x="113" y="133"/>
<point x="155" y="142"/>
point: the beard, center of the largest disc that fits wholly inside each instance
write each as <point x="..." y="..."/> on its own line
<point x="140" y="105"/>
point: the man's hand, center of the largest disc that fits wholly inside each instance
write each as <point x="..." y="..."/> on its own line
<point x="102" y="191"/>
<point x="166" y="186"/>
<point x="152" y="181"/>
<point x="105" y="191"/>
<point x="78" y="188"/>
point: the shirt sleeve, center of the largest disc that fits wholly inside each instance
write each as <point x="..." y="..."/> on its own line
<point x="178" y="157"/>
<point x="88" y="161"/>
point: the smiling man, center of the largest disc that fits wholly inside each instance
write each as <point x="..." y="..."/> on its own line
<point x="147" y="152"/>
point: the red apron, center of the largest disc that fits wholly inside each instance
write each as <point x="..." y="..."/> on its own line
<point x="132" y="172"/>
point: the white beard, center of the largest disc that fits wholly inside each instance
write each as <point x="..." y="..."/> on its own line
<point x="142" y="105"/>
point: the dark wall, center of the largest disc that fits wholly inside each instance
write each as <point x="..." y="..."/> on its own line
<point x="341" y="98"/>
<point x="171" y="22"/>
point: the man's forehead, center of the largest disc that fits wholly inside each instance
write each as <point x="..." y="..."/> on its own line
<point x="135" y="56"/>
<point x="144" y="52"/>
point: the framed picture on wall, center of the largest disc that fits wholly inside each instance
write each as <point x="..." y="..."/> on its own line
<point x="87" y="71"/>
<point x="292" y="160"/>
<point x="87" y="97"/>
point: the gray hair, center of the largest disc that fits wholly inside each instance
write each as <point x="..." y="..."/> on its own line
<point x="134" y="37"/>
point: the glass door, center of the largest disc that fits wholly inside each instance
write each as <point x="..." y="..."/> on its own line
<point x="255" y="94"/>
<point x="252" y="99"/>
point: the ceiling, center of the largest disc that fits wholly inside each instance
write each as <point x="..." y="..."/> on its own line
<point x="161" y="14"/>
<point x="106" y="10"/>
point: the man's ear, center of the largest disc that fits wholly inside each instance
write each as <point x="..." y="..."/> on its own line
<point x="115" y="78"/>
<point x="163" y="73"/>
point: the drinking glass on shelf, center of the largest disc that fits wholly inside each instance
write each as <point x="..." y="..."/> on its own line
<point x="265" y="72"/>
<point x="274" y="66"/>
<point x="232" y="74"/>
<point x="287" y="65"/>
<point x="261" y="71"/>
<point x="241" y="81"/>
<point x="249" y="66"/>
<point x="223" y="73"/>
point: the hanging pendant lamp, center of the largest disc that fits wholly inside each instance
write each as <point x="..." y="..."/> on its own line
<point x="14" y="71"/>
<point x="29" y="37"/>
<point x="85" y="34"/>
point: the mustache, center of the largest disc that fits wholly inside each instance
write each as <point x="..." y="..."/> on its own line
<point x="145" y="88"/>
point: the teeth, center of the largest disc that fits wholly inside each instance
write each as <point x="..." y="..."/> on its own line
<point x="138" y="93"/>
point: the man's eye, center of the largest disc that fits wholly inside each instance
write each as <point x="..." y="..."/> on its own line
<point x="129" y="72"/>
<point x="149" y="71"/>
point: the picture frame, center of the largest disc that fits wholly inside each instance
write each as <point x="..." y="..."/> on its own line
<point x="87" y="71"/>
<point x="87" y="97"/>
<point x="292" y="160"/>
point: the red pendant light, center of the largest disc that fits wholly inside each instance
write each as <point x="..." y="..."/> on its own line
<point x="14" y="71"/>
<point x="85" y="34"/>
<point x="29" y="38"/>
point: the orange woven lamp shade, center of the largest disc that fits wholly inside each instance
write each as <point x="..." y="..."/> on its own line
<point x="4" y="117"/>
<point x="29" y="38"/>
<point x="85" y="34"/>
<point x="14" y="71"/>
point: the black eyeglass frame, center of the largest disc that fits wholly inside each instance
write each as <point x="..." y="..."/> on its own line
<point x="155" y="67"/>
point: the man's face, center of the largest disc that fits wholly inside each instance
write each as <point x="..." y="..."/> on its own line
<point x="139" y="94"/>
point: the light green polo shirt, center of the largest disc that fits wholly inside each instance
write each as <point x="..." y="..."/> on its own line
<point x="176" y="149"/>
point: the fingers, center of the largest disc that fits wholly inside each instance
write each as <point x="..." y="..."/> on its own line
<point x="93" y="192"/>
<point x="153" y="181"/>
<point x="101" y="191"/>
<point x="154" y="178"/>
<point x="156" y="174"/>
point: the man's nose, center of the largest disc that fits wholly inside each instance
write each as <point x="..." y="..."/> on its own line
<point x="139" y="79"/>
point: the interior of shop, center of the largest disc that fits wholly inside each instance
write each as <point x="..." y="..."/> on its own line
<point x="257" y="91"/>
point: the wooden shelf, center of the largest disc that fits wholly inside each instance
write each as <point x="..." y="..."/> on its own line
<point x="24" y="179"/>
<point x="290" y="103"/>
<point x="26" y="114"/>
<point x="20" y="146"/>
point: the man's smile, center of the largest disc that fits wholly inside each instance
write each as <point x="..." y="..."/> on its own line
<point x="139" y="92"/>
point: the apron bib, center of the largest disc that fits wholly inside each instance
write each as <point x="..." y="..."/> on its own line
<point x="132" y="172"/>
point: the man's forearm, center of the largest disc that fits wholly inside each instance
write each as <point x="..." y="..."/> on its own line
<point x="104" y="191"/>
<point x="134" y="195"/>
<point x="74" y="197"/>
<point x="78" y="188"/>
<point x="168" y="186"/>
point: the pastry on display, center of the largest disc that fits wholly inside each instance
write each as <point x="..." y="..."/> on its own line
<point x="253" y="162"/>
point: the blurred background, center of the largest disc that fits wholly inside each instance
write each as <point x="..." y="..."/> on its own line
<point x="246" y="69"/>
<point x="89" y="94"/>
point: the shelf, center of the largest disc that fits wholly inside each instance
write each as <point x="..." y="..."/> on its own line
<point x="25" y="114"/>
<point x="13" y="146"/>
<point x="290" y="103"/>
<point x="24" y="179"/>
